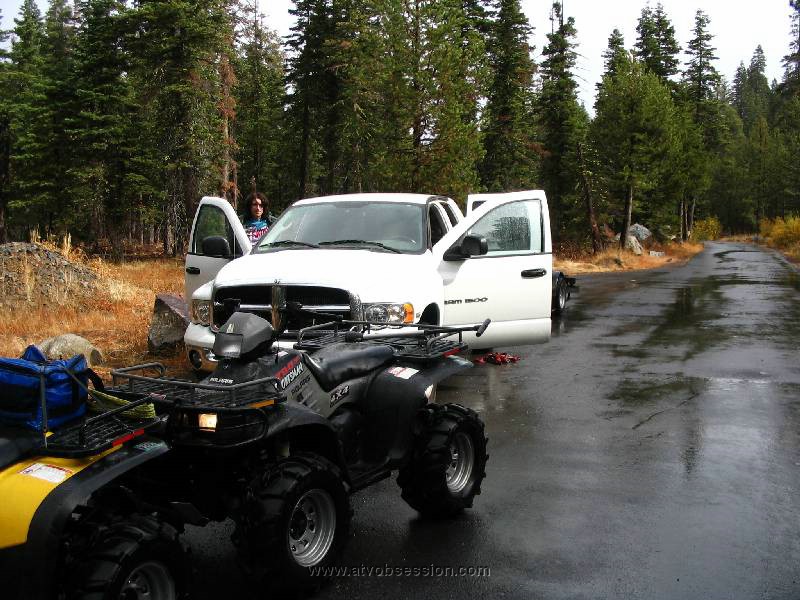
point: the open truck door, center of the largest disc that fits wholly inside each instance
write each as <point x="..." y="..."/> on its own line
<point x="217" y="238"/>
<point x="497" y="263"/>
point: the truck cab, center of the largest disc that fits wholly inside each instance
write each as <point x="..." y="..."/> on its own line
<point x="392" y="258"/>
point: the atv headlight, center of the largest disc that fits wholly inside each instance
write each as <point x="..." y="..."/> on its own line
<point x="389" y="313"/>
<point x="207" y="421"/>
<point x="201" y="312"/>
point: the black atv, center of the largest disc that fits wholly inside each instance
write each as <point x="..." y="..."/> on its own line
<point x="277" y="440"/>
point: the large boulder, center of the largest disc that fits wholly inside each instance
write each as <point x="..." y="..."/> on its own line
<point x="633" y="245"/>
<point x="640" y="232"/>
<point x="68" y="345"/>
<point x="169" y="323"/>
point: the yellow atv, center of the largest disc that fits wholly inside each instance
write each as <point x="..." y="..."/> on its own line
<point x="70" y="525"/>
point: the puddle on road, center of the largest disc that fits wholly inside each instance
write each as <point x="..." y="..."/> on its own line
<point x="683" y="323"/>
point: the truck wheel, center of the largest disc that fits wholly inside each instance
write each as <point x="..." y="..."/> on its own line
<point x="445" y="475"/>
<point x="294" y="523"/>
<point x="560" y="296"/>
<point x="136" y="558"/>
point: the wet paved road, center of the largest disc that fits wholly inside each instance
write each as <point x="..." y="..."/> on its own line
<point x="650" y="450"/>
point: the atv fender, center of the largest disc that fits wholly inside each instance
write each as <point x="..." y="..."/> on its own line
<point x="393" y="400"/>
<point x="306" y="430"/>
<point x="29" y="553"/>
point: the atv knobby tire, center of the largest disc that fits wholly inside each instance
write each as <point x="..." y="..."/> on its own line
<point x="294" y="523"/>
<point x="449" y="465"/>
<point x="135" y="557"/>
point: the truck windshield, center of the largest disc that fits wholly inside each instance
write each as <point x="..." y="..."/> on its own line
<point x="379" y="226"/>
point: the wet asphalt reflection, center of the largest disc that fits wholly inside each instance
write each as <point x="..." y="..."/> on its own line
<point x="650" y="450"/>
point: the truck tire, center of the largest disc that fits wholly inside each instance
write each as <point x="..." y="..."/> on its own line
<point x="449" y="466"/>
<point x="137" y="557"/>
<point x="294" y="523"/>
<point x="560" y="294"/>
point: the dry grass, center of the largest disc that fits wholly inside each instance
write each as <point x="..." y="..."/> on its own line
<point x="624" y="260"/>
<point x="116" y="321"/>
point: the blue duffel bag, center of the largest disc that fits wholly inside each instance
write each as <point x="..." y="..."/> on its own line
<point x="21" y="380"/>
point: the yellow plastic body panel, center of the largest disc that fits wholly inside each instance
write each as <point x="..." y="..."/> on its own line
<point x="21" y="494"/>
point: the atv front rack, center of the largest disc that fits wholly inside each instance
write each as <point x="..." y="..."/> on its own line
<point x="412" y="342"/>
<point x="187" y="394"/>
<point x="99" y="433"/>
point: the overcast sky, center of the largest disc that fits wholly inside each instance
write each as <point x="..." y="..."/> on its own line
<point x="738" y="27"/>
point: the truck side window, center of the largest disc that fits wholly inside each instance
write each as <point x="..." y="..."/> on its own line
<point x="212" y="221"/>
<point x="436" y="224"/>
<point x="514" y="228"/>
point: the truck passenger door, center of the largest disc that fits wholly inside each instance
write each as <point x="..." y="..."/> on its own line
<point x="509" y="280"/>
<point x="215" y="218"/>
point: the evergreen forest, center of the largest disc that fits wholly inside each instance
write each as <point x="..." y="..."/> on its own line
<point x="116" y="118"/>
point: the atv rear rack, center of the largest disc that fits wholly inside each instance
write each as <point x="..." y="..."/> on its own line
<point x="418" y="343"/>
<point x="187" y="394"/>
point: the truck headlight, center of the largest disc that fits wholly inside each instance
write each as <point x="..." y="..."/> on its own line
<point x="389" y="313"/>
<point x="201" y="312"/>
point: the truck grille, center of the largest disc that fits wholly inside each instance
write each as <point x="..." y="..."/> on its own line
<point x="257" y="299"/>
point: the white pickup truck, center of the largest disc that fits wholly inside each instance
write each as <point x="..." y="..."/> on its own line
<point x="392" y="258"/>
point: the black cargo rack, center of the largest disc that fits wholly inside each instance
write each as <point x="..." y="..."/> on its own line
<point x="96" y="433"/>
<point x="99" y="433"/>
<point x="164" y="390"/>
<point x="418" y="343"/>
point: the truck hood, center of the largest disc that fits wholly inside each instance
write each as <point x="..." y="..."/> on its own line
<point x="364" y="272"/>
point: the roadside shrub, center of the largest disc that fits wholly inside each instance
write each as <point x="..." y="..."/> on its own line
<point x="706" y="229"/>
<point x="765" y="228"/>
<point x="785" y="233"/>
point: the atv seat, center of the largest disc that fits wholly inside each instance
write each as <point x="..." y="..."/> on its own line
<point x="339" y="362"/>
<point x="16" y="443"/>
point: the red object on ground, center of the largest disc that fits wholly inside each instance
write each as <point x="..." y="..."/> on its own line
<point x="496" y="358"/>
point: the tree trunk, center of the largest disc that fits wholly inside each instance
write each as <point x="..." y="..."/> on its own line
<point x="3" y="232"/>
<point x="690" y="223"/>
<point x="626" y="225"/>
<point x="304" y="141"/>
<point x="597" y="238"/>
<point x="681" y="212"/>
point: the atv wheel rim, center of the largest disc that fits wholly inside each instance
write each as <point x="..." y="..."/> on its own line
<point x="149" y="581"/>
<point x="312" y="527"/>
<point x="462" y="461"/>
<point x="562" y="297"/>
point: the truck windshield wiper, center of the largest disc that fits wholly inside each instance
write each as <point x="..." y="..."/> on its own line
<point x="290" y="243"/>
<point x="359" y="243"/>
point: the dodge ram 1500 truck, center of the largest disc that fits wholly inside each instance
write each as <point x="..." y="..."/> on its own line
<point x="394" y="258"/>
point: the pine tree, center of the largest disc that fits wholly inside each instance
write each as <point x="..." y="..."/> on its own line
<point x="792" y="60"/>
<point x="29" y="118"/>
<point x="177" y="45"/>
<point x="701" y="77"/>
<point x="614" y="54"/>
<point x="510" y="160"/>
<point x="104" y="124"/>
<point x="58" y="45"/>
<point x="562" y="122"/>
<point x="453" y="52"/>
<point x="259" y="127"/>
<point x="634" y="133"/>
<point x="754" y="96"/>
<point x="315" y="93"/>
<point x="5" y="134"/>
<point x="655" y="45"/>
